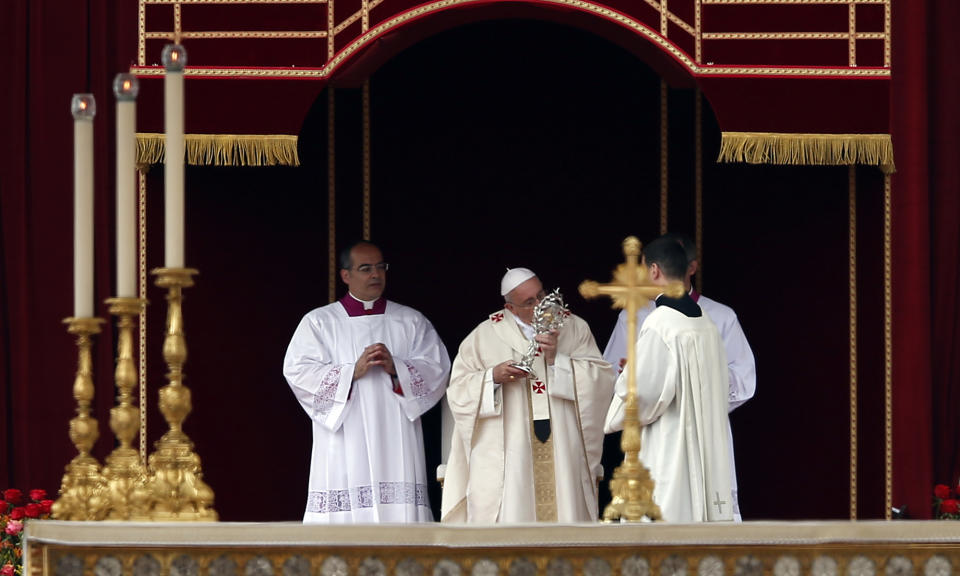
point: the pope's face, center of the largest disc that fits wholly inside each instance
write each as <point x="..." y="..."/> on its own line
<point x="367" y="277"/>
<point x="524" y="298"/>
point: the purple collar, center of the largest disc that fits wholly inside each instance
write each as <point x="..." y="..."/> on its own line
<point x="694" y="294"/>
<point x="354" y="307"/>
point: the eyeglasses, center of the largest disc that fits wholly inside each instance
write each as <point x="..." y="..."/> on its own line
<point x="531" y="302"/>
<point x="368" y="268"/>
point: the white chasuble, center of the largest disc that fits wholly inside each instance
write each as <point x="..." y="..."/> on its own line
<point x="490" y="469"/>
<point x="368" y="462"/>
<point x="682" y="387"/>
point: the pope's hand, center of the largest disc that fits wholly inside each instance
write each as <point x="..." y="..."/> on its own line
<point x="548" y="345"/>
<point x="504" y="373"/>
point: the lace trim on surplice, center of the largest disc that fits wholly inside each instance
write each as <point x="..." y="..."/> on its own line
<point x="358" y="497"/>
<point x="324" y="396"/>
<point x="417" y="385"/>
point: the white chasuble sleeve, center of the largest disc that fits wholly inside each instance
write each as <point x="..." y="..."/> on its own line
<point x="422" y="371"/>
<point x="491" y="396"/>
<point x="321" y="385"/>
<point x="472" y="396"/>
<point x="561" y="378"/>
<point x="588" y="378"/>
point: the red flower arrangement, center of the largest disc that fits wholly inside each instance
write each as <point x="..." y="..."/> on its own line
<point x="16" y="509"/>
<point x="946" y="502"/>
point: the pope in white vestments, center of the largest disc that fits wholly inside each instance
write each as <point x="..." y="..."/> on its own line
<point x="682" y="388"/>
<point x="741" y="365"/>
<point x="365" y="369"/>
<point x="526" y="447"/>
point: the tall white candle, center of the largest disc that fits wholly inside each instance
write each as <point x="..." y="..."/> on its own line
<point x="84" y="108"/>
<point x="125" y="88"/>
<point x="174" y="60"/>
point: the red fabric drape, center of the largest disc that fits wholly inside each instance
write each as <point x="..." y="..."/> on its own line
<point x="926" y="198"/>
<point x="53" y="51"/>
<point x="925" y="258"/>
<point x="945" y="200"/>
<point x="12" y="219"/>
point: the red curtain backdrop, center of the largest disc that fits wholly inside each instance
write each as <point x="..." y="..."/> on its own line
<point x="911" y="261"/>
<point x="55" y="49"/>
<point x="926" y="208"/>
<point x="944" y="122"/>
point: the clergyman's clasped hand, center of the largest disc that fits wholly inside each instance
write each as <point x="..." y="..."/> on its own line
<point x="374" y="355"/>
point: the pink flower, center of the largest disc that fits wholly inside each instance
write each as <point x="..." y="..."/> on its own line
<point x="38" y="495"/>
<point x="7" y="570"/>
<point x="14" y="527"/>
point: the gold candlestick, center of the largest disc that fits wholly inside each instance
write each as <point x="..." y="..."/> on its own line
<point x="82" y="488"/>
<point x="124" y="472"/>
<point x="177" y="491"/>
<point x="631" y="486"/>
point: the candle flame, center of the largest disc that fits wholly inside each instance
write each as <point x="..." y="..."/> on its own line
<point x="126" y="85"/>
<point x="83" y="104"/>
<point x="174" y="56"/>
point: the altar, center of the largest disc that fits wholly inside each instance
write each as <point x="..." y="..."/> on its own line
<point x="898" y="548"/>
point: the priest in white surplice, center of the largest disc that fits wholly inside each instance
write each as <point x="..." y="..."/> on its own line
<point x="741" y="365"/>
<point x="526" y="449"/>
<point x="682" y="387"/>
<point x="365" y="369"/>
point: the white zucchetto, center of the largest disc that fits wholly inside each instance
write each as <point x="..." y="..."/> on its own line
<point x="513" y="278"/>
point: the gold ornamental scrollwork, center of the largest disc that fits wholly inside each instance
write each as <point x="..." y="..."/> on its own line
<point x="82" y="495"/>
<point x="123" y="471"/>
<point x="175" y="485"/>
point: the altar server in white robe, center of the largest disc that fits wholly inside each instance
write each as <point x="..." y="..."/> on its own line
<point x="365" y="369"/>
<point x="682" y="388"/>
<point x="526" y="448"/>
<point x="741" y="365"/>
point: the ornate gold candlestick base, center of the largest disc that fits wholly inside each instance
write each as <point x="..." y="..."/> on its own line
<point x="176" y="488"/>
<point x="123" y="471"/>
<point x="631" y="487"/>
<point x="82" y="488"/>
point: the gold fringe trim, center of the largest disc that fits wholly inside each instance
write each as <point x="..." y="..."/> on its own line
<point x="224" y="149"/>
<point x="808" y="149"/>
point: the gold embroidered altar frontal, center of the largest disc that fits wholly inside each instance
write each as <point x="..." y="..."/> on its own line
<point x="901" y="548"/>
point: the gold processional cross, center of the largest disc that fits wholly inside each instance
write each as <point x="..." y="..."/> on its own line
<point x="631" y="486"/>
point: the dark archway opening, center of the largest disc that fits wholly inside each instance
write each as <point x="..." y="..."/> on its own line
<point x="506" y="143"/>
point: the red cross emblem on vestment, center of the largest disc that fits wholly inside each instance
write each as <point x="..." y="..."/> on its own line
<point x="538" y="387"/>
<point x="496" y="317"/>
